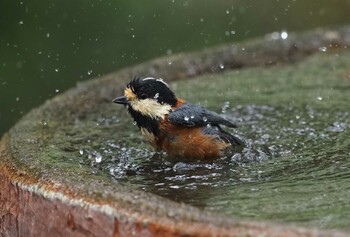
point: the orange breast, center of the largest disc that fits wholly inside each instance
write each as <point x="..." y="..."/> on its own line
<point x="189" y="142"/>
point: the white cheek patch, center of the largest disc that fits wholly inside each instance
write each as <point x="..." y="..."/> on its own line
<point x="151" y="108"/>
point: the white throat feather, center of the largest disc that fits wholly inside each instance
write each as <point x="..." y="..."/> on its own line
<point x="150" y="107"/>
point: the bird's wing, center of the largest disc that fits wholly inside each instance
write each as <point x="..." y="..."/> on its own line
<point x="191" y="115"/>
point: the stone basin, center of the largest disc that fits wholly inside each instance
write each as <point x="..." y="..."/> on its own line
<point x="47" y="190"/>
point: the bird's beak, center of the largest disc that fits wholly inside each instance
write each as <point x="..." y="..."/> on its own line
<point x="121" y="100"/>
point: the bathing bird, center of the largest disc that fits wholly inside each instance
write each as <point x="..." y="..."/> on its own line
<point x="175" y="126"/>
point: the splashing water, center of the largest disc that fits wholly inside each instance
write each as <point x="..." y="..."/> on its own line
<point x="285" y="150"/>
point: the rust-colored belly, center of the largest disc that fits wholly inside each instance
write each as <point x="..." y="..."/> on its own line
<point x="190" y="142"/>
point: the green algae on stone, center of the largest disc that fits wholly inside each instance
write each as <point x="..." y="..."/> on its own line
<point x="321" y="81"/>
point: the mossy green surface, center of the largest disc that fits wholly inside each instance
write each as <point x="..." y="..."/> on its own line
<point x="322" y="81"/>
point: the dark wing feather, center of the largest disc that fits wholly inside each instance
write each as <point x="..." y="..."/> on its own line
<point x="191" y="115"/>
<point x="222" y="134"/>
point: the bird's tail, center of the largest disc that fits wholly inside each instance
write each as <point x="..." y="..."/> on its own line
<point x="235" y="142"/>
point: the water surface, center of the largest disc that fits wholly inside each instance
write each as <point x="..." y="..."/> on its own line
<point x="295" y="167"/>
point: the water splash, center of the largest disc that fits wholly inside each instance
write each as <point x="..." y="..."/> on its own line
<point x="283" y="146"/>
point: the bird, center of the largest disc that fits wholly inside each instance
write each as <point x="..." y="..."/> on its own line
<point x="175" y="126"/>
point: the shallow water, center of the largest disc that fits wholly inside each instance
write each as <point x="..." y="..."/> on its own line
<point x="295" y="167"/>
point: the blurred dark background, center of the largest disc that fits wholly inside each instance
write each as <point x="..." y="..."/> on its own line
<point x="47" y="46"/>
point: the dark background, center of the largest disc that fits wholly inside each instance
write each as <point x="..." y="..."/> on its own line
<point x="47" y="46"/>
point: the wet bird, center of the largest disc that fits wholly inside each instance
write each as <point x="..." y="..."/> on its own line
<point x="175" y="126"/>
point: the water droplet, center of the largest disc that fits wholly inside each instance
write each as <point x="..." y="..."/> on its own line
<point x="17" y="98"/>
<point x="284" y="35"/>
<point x="227" y="12"/>
<point x="222" y="66"/>
<point x="186" y="118"/>
<point x="81" y="152"/>
<point x="322" y="49"/>
<point x="265" y="136"/>
<point x="20" y="23"/>
<point x="56" y="69"/>
<point x="159" y="184"/>
<point x="205" y="119"/>
<point x="98" y="158"/>
<point x="192" y="116"/>
<point x="337" y="127"/>
<point x="134" y="123"/>
<point x="319" y="98"/>
<point x="47" y="35"/>
<point x="156" y="96"/>
<point x="89" y="72"/>
<point x="225" y="107"/>
<point x="57" y="90"/>
<point x="170" y="62"/>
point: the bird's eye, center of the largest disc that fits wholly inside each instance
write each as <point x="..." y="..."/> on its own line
<point x="143" y="96"/>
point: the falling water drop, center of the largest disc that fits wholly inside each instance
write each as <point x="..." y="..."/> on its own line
<point x="284" y="35"/>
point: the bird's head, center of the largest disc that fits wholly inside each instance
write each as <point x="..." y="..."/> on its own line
<point x="148" y="96"/>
